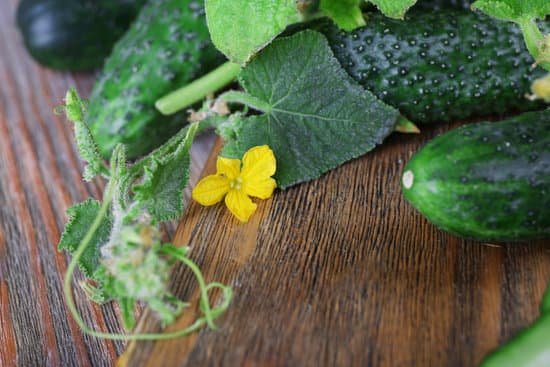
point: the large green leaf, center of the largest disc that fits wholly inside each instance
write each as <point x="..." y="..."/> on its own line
<point x="240" y="28"/>
<point x="315" y="116"/>
<point x="394" y="8"/>
<point x="514" y="10"/>
<point x="81" y="216"/>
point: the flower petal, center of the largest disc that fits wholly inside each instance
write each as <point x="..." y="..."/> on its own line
<point x="230" y="168"/>
<point x="258" y="163"/>
<point x="211" y="190"/>
<point x="261" y="189"/>
<point x="240" y="205"/>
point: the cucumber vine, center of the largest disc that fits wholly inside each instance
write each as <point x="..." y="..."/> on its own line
<point x="121" y="251"/>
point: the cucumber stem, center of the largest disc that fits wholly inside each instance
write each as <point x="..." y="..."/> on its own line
<point x="534" y="40"/>
<point x="405" y="126"/>
<point x="198" y="90"/>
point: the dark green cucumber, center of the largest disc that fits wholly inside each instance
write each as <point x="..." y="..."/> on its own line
<point x="545" y="305"/>
<point x="439" y="66"/>
<point x="487" y="181"/>
<point x="443" y="4"/>
<point x="530" y="348"/>
<point x="167" y="46"/>
<point x="74" y="34"/>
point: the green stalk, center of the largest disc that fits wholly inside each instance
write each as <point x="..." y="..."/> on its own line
<point x="198" y="90"/>
<point x="533" y="39"/>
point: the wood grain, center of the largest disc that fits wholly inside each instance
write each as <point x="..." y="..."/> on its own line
<point x="340" y="271"/>
<point x="40" y="177"/>
<point x="343" y="272"/>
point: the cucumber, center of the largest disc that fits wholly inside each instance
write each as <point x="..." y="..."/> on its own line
<point x="167" y="46"/>
<point x="439" y="66"/>
<point x="72" y="34"/>
<point x="545" y="305"/>
<point x="530" y="348"/>
<point x="443" y="4"/>
<point x="487" y="181"/>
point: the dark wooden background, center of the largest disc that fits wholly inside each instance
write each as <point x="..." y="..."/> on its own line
<point x="39" y="179"/>
<point x="340" y="271"/>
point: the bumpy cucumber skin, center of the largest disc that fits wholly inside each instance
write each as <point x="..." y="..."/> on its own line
<point x="545" y="304"/>
<point x="443" y="4"/>
<point x="487" y="181"/>
<point x="72" y="34"/>
<point x="439" y="66"/>
<point x="167" y="46"/>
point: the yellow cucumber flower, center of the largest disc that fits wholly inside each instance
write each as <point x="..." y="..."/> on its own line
<point x="237" y="185"/>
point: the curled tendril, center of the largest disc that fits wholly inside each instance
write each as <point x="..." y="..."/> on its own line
<point x="209" y="313"/>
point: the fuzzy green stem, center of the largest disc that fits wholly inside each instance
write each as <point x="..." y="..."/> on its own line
<point x="533" y="39"/>
<point x="209" y="313"/>
<point x="198" y="90"/>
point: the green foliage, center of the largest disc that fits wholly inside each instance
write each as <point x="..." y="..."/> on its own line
<point x="87" y="148"/>
<point x="80" y="217"/>
<point x="315" y="117"/>
<point x="240" y="28"/>
<point x="117" y="243"/>
<point x="394" y="8"/>
<point x="346" y="13"/>
<point x="165" y="178"/>
<point x="514" y="10"/>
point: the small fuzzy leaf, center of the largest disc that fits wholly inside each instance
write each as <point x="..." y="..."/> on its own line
<point x="346" y="14"/>
<point x="161" y="191"/>
<point x="87" y="147"/>
<point x="80" y="218"/>
<point x="318" y="117"/>
<point x="240" y="28"/>
<point x="394" y="8"/>
<point x="74" y="106"/>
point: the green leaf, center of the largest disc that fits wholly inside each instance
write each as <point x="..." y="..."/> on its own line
<point x="80" y="217"/>
<point x="514" y="10"/>
<point x="161" y="191"/>
<point x="394" y="8"/>
<point x="240" y="28"/>
<point x="346" y="14"/>
<point x="318" y="117"/>
<point x="87" y="147"/>
<point x="74" y="106"/>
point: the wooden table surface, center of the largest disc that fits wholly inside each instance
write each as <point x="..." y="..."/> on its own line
<point x="339" y="271"/>
<point x="40" y="177"/>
